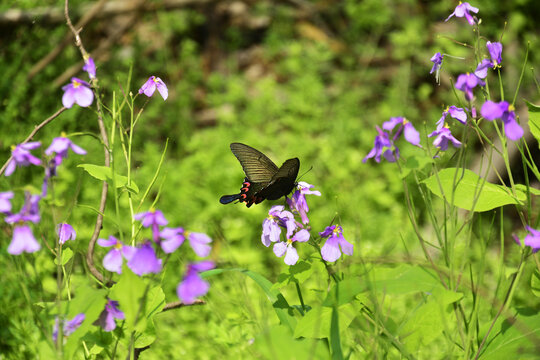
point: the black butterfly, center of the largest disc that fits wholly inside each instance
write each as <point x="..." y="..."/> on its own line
<point x="264" y="180"/>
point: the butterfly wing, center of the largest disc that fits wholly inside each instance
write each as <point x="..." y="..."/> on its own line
<point x="257" y="166"/>
<point x="282" y="182"/>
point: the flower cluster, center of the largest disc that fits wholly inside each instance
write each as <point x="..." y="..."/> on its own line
<point x="296" y="232"/>
<point x="78" y="91"/>
<point x="385" y="141"/>
<point x="68" y="327"/>
<point x="143" y="259"/>
<point x="532" y="239"/>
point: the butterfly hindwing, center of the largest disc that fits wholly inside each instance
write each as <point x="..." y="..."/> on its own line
<point x="282" y="182"/>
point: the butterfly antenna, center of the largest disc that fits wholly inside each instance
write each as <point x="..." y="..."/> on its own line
<point x="300" y="177"/>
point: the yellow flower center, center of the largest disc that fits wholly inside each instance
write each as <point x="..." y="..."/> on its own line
<point x="511" y="108"/>
<point x="76" y="84"/>
<point x="118" y="245"/>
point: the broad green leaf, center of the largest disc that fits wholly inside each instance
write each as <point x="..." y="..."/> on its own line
<point x="276" y="342"/>
<point x="518" y="338"/>
<point x="429" y="320"/>
<point x="534" y="120"/>
<point x="535" y="283"/>
<point x="297" y="273"/>
<point x="335" y="342"/>
<point x="104" y="173"/>
<point x="67" y="254"/>
<point x="467" y="186"/>
<point x="129" y="291"/>
<point x="147" y="337"/>
<point x="317" y="322"/>
<point x="415" y="162"/>
<point x="404" y="279"/>
<point x="523" y="188"/>
<point x="344" y="292"/>
<point x="279" y="303"/>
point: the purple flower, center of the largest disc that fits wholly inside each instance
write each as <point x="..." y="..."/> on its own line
<point x="467" y="82"/>
<point x="199" y="243"/>
<point x="443" y="137"/>
<point x="29" y="210"/>
<point x="277" y="218"/>
<point x="107" y="316"/>
<point x="60" y="146"/>
<point x="286" y="248"/>
<point x="65" y="232"/>
<point x="149" y="87"/>
<point x="173" y="238"/>
<point x="409" y="132"/>
<point x="382" y="142"/>
<point x="144" y="260"/>
<point x="463" y="10"/>
<point x="69" y="326"/>
<point x="481" y="70"/>
<point x="457" y="113"/>
<point x="504" y="111"/>
<point x="23" y="241"/>
<point x="495" y="52"/>
<point x="90" y="68"/>
<point x="330" y="250"/>
<point x="152" y="218"/>
<point x="192" y="285"/>
<point x="298" y="200"/>
<point x="78" y="91"/>
<point x="532" y="239"/>
<point x="5" y="203"/>
<point x="113" y="260"/>
<point x="21" y="156"/>
<point x="437" y="60"/>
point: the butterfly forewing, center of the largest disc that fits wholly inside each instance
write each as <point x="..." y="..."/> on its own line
<point x="282" y="182"/>
<point x="257" y="167"/>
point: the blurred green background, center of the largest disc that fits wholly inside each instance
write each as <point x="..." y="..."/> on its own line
<point x="297" y="78"/>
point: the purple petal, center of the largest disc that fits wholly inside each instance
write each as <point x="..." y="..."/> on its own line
<point x="390" y="124"/>
<point x="330" y="250"/>
<point x="203" y="265"/>
<point x="491" y="110"/>
<point x="513" y="130"/>
<point x="68" y="99"/>
<point x="145" y="261"/>
<point x="192" y="287"/>
<point x="23" y="241"/>
<point x="411" y="135"/>
<point x="301" y="236"/>
<point x="84" y="96"/>
<point x="113" y="261"/>
<point x="162" y="88"/>
<point x="198" y="242"/>
<point x="5" y="203"/>
<point x="73" y="324"/>
<point x="291" y="256"/>
<point x="280" y="248"/>
<point x="346" y="246"/>
<point x="65" y="232"/>
<point x="107" y="243"/>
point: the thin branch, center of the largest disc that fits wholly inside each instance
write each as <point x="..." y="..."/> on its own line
<point x="34" y="132"/>
<point x="179" y="304"/>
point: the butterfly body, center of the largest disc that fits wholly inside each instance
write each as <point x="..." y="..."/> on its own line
<point x="264" y="180"/>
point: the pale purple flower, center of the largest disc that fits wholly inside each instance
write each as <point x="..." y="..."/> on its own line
<point x="77" y="91"/>
<point x="437" y="60"/>
<point x="298" y="200"/>
<point x="532" y="239"/>
<point x="495" y="52"/>
<point x="29" y="210"/>
<point x="482" y="68"/>
<point x="113" y="260"/>
<point x="60" y="147"/>
<point x="286" y="248"/>
<point x="277" y="218"/>
<point x="199" y="243"/>
<point x="5" y="203"/>
<point x="444" y="136"/>
<point x="383" y="146"/>
<point x="153" y="83"/>
<point x="504" y="111"/>
<point x="144" y="260"/>
<point x="21" y="156"/>
<point x="457" y="113"/>
<point x="69" y="326"/>
<point x="23" y="241"/>
<point x="466" y="83"/>
<point x="173" y="239"/>
<point x="409" y="132"/>
<point x="330" y="250"/>
<point x="90" y="68"/>
<point x="192" y="285"/>
<point x="462" y="10"/>
<point x="65" y="232"/>
<point x="153" y="219"/>
<point x="107" y="317"/>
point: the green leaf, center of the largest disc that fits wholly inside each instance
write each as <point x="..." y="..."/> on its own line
<point x="461" y="186"/>
<point x="67" y="254"/>
<point x="129" y="291"/>
<point x="535" y="283"/>
<point x="534" y="120"/>
<point x="297" y="273"/>
<point x="517" y="338"/>
<point x="317" y="322"/>
<point x="279" y="303"/>
<point x="523" y="188"/>
<point x="415" y="162"/>
<point x="404" y="279"/>
<point x="344" y="292"/>
<point x="335" y="342"/>
<point x="429" y="320"/>
<point x="276" y="342"/>
<point x="104" y="173"/>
